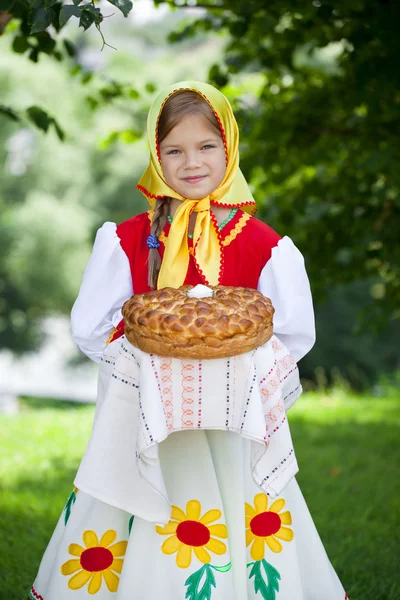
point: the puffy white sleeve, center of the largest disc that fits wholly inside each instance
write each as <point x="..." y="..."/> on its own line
<point x="106" y="285"/>
<point x="284" y="280"/>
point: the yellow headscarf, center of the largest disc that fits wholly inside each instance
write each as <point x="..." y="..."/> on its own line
<point x="233" y="191"/>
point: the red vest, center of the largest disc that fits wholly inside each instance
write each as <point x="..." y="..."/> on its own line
<point x="246" y="248"/>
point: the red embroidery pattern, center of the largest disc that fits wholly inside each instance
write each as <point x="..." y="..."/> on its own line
<point x="147" y="193"/>
<point x="276" y="345"/>
<point x="166" y="386"/>
<point x="282" y="372"/>
<point x="221" y="248"/>
<point x="199" y="415"/>
<point x="33" y="595"/>
<point x="187" y="393"/>
<point x="238" y="204"/>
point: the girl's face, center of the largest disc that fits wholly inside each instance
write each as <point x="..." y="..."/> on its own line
<point x="193" y="158"/>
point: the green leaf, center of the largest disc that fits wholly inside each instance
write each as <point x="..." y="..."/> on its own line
<point x="200" y="583"/>
<point x="34" y="55"/>
<point x="89" y="15"/>
<point x="39" y="117"/>
<point x="86" y="77"/>
<point x="130" y="136"/>
<point x="68" y="11"/>
<point x="125" y="6"/>
<point x="114" y="90"/>
<point x="58" y="56"/>
<point x="269" y="586"/>
<point x="68" y="506"/>
<point x="70" y="48"/>
<point x="92" y="102"/>
<point x="56" y="20"/>
<point x="59" y="131"/>
<point x="20" y="44"/>
<point x="9" y="112"/>
<point x="150" y="87"/>
<point x="216" y="76"/>
<point x="132" y="93"/>
<point x="45" y="42"/>
<point x="222" y="569"/>
<point x="41" y="19"/>
<point x="131" y="523"/>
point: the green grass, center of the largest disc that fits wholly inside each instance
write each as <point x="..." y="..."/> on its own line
<point x="349" y="457"/>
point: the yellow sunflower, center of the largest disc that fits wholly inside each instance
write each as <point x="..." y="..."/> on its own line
<point x="95" y="561"/>
<point x="190" y="532"/>
<point x="265" y="526"/>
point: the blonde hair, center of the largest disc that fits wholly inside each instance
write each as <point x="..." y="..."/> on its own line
<point x="180" y="105"/>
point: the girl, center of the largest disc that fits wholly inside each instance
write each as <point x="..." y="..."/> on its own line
<point x="224" y="538"/>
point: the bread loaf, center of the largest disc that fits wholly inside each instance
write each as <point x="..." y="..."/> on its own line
<point x="168" y="322"/>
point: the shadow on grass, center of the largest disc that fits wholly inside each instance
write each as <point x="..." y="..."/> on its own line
<point x="348" y="474"/>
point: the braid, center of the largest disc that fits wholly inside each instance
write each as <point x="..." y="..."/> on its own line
<point x="158" y="221"/>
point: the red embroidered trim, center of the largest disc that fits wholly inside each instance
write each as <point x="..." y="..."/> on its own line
<point x="35" y="595"/>
<point x="222" y="264"/>
<point x="198" y="268"/>
<point x="116" y="333"/>
<point x="212" y="108"/>
<point x="147" y="193"/>
<point x="238" y="204"/>
<point x="266" y="437"/>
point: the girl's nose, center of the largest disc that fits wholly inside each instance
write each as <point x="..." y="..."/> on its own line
<point x="192" y="160"/>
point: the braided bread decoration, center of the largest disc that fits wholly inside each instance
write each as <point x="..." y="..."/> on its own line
<point x="169" y="323"/>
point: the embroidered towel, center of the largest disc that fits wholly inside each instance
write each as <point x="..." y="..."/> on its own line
<point x="143" y="398"/>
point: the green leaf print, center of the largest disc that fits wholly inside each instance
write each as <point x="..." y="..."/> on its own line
<point x="200" y="583"/>
<point x="222" y="569"/>
<point x="269" y="586"/>
<point x="131" y="523"/>
<point x="69" y="505"/>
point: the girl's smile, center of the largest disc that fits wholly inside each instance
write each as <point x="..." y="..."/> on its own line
<point x="193" y="158"/>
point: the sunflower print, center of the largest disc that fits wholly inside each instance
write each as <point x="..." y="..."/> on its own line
<point x="97" y="561"/>
<point x="266" y="526"/>
<point x="192" y="533"/>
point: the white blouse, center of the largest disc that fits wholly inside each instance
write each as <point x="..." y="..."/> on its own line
<point x="107" y="284"/>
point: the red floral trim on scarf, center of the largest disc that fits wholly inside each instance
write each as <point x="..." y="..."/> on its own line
<point x="222" y="263"/>
<point x="221" y="247"/>
<point x="33" y="595"/>
<point x="238" y="204"/>
<point x="212" y="108"/>
<point x="147" y="193"/>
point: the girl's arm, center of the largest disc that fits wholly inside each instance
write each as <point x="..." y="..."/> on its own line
<point x="284" y="280"/>
<point x="106" y="284"/>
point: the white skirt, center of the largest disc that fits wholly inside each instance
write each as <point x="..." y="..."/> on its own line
<point x="226" y="539"/>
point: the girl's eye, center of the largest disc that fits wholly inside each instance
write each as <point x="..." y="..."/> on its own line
<point x="207" y="146"/>
<point x="175" y="151"/>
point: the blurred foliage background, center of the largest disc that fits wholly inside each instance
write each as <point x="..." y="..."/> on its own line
<point x="316" y="90"/>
